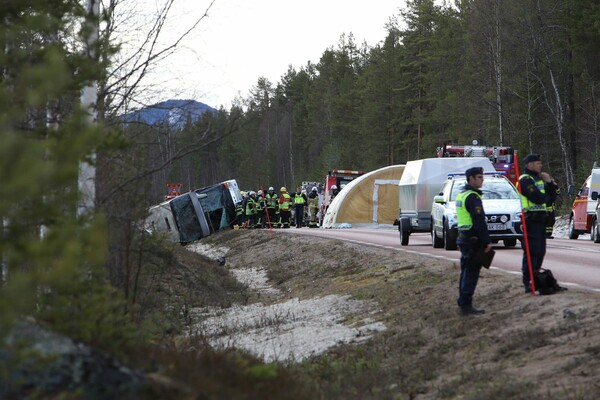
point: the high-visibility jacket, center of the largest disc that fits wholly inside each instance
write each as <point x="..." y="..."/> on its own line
<point x="239" y="209"/>
<point x="260" y="204"/>
<point x="528" y="205"/>
<point x="299" y="199"/>
<point x="284" y="202"/>
<point x="251" y="206"/>
<point x="271" y="200"/>
<point x="465" y="222"/>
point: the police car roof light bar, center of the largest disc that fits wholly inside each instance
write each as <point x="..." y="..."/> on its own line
<point x="453" y="174"/>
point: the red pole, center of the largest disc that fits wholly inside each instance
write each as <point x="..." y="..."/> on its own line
<point x="524" y="225"/>
<point x="268" y="218"/>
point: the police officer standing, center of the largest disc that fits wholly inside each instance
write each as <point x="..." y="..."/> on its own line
<point x="299" y="201"/>
<point x="537" y="190"/>
<point x="472" y="236"/>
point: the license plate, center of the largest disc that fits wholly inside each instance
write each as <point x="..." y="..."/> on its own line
<point x="496" y="227"/>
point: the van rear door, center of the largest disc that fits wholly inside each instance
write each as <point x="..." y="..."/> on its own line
<point x="594" y="191"/>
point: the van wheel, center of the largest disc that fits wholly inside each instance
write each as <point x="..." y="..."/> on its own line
<point x="436" y="242"/>
<point x="404" y="229"/>
<point x="572" y="232"/>
<point x="510" y="242"/>
<point x="595" y="233"/>
<point x="449" y="239"/>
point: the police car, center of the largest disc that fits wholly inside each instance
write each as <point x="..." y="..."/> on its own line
<point x="501" y="202"/>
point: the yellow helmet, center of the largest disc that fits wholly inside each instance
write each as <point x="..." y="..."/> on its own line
<point x="283" y="189"/>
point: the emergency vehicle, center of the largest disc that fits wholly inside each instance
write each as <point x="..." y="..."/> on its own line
<point x="501" y="157"/>
<point x="501" y="202"/>
<point x="338" y="178"/>
<point x="420" y="183"/>
<point x="583" y="212"/>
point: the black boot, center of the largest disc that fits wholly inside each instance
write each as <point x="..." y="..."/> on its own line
<point x="470" y="310"/>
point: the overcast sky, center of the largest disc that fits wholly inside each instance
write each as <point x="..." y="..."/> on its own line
<point x="241" y="40"/>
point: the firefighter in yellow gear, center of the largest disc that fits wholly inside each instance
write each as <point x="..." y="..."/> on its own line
<point x="251" y="211"/>
<point x="260" y="209"/>
<point x="313" y="207"/>
<point x="285" y="201"/>
<point x="272" y="202"/>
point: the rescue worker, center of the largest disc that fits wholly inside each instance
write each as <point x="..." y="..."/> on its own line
<point x="334" y="192"/>
<point x="299" y="202"/>
<point x="537" y="189"/>
<point x="239" y="212"/>
<point x="313" y="207"/>
<point x="285" y="201"/>
<point x="244" y="202"/>
<point x="271" y="199"/>
<point x="472" y="236"/>
<point x="260" y="209"/>
<point x="251" y="210"/>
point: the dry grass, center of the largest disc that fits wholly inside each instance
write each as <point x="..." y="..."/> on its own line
<point x="523" y="347"/>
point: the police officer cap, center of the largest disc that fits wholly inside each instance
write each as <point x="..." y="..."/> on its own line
<point x="474" y="171"/>
<point x="532" y="158"/>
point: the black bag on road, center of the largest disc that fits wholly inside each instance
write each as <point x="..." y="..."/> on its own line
<point x="545" y="282"/>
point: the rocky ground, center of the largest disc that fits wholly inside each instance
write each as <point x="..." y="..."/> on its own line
<point x="370" y="323"/>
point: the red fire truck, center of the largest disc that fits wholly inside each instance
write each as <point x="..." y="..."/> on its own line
<point x="583" y="217"/>
<point x="339" y="178"/>
<point x="502" y="157"/>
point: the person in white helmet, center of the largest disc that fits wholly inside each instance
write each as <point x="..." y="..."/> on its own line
<point x="260" y="210"/>
<point x="334" y="192"/>
<point x="313" y="207"/>
<point x="272" y="200"/>
<point x="251" y="210"/>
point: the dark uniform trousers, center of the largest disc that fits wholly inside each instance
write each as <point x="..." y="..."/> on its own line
<point x="536" y="236"/>
<point x="469" y="274"/>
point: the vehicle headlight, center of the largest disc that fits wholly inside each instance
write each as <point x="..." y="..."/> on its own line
<point x="518" y="217"/>
<point x="452" y="219"/>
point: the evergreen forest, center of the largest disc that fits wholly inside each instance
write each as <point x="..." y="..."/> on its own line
<point x="519" y="73"/>
<point x="513" y="73"/>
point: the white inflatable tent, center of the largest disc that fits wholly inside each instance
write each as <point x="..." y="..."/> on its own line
<point x="371" y="199"/>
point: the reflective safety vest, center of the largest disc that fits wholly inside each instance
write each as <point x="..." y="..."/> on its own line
<point x="271" y="200"/>
<point x="299" y="199"/>
<point x="465" y="222"/>
<point x="526" y="204"/>
<point x="260" y="204"/>
<point x="285" y="205"/>
<point x="251" y="206"/>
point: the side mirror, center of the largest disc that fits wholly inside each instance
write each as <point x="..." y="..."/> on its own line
<point x="571" y="190"/>
<point x="439" y="199"/>
<point x="594" y="196"/>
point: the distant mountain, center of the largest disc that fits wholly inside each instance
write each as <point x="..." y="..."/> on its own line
<point x="176" y="112"/>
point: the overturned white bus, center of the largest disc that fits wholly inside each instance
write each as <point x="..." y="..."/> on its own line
<point x="196" y="214"/>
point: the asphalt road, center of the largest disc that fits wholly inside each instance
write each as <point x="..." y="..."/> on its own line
<point x="574" y="263"/>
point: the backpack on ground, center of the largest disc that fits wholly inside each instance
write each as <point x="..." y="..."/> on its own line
<point x="545" y="282"/>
